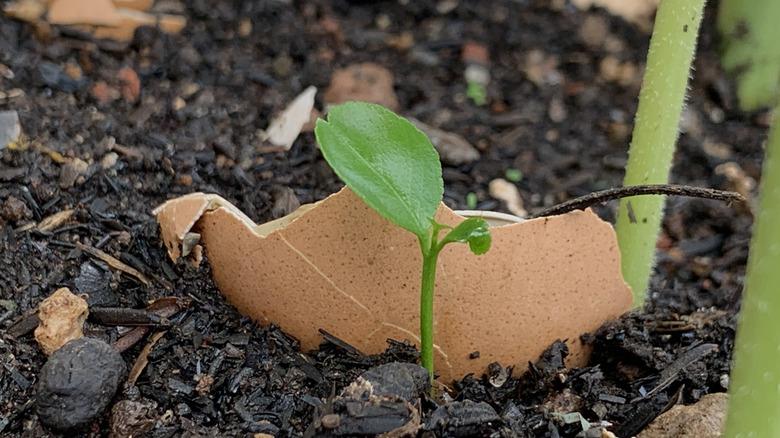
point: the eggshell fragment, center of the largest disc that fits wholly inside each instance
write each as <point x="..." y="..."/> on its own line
<point x="62" y="317"/>
<point x="339" y="266"/>
<point x="95" y="12"/>
<point x="286" y="127"/>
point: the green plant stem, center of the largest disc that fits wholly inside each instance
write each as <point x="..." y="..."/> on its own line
<point x="655" y="133"/>
<point x="430" y="251"/>
<point x="754" y="399"/>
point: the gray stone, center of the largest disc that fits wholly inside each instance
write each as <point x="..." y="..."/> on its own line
<point x="10" y="128"/>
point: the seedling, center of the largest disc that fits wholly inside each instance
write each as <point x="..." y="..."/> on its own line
<point x="393" y="167"/>
<point x="655" y="134"/>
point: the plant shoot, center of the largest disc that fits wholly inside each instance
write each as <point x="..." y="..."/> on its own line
<point x="393" y="167"/>
<point x="655" y="134"/>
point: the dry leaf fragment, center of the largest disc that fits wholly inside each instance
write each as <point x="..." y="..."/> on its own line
<point x="504" y="190"/>
<point x="355" y="275"/>
<point x="61" y="319"/>
<point x="286" y="127"/>
<point x="52" y="222"/>
<point x="114" y="263"/>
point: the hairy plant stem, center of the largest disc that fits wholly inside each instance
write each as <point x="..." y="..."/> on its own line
<point x="754" y="391"/>
<point x="655" y="133"/>
<point x="430" y="253"/>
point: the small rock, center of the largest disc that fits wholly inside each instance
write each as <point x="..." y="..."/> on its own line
<point x="282" y="65"/>
<point x="71" y="171"/>
<point x="705" y="419"/>
<point x="245" y="27"/>
<point x="15" y="210"/>
<point x="62" y="317"/>
<point x="453" y="149"/>
<point x="10" y="128"/>
<point x="77" y="383"/>
<point x="557" y="110"/>
<point x="594" y="30"/>
<point x="738" y="179"/>
<point x="475" y="53"/>
<point x="504" y="190"/>
<point x="104" y="93"/>
<point x="109" y="160"/>
<point x="73" y="71"/>
<point x="285" y="202"/>
<point x="52" y="75"/>
<point x="131" y="85"/>
<point x="463" y="419"/>
<point x="366" y="82"/>
<point x="132" y="418"/>
<point x="396" y="379"/>
<point x="542" y="69"/>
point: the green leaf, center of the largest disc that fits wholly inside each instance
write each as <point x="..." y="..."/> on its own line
<point x="475" y="231"/>
<point x="751" y="51"/>
<point x="385" y="160"/>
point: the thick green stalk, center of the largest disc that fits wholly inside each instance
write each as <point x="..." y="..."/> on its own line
<point x="655" y="133"/>
<point x="430" y="253"/>
<point x="754" y="400"/>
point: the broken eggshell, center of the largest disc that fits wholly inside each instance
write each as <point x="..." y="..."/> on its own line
<point x="339" y="266"/>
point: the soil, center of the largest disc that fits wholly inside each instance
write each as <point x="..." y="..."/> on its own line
<point x="204" y="95"/>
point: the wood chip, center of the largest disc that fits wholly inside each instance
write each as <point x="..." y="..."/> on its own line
<point x="51" y="223"/>
<point x="114" y="263"/>
<point x="143" y="358"/>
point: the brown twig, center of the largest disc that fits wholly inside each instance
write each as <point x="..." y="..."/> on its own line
<point x="599" y="197"/>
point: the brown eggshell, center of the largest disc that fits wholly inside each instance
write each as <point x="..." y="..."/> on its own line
<point x="339" y="266"/>
<point x="130" y="20"/>
<point x="94" y="12"/>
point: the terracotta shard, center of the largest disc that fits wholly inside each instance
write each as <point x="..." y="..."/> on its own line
<point x="337" y="265"/>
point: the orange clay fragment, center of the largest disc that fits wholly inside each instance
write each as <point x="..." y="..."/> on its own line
<point x="337" y="265"/>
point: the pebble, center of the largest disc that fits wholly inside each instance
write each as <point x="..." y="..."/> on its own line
<point x="54" y="76"/>
<point x="109" y="160"/>
<point x="10" y="128"/>
<point x="15" y="210"/>
<point x="594" y="31"/>
<point x="131" y="84"/>
<point x="367" y="82"/>
<point x="71" y="171"/>
<point x="62" y="317"/>
<point x="77" y="383"/>
<point x="104" y="93"/>
<point x="285" y="202"/>
<point x="453" y="149"/>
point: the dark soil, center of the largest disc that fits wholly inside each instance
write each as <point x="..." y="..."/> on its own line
<point x="214" y="373"/>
